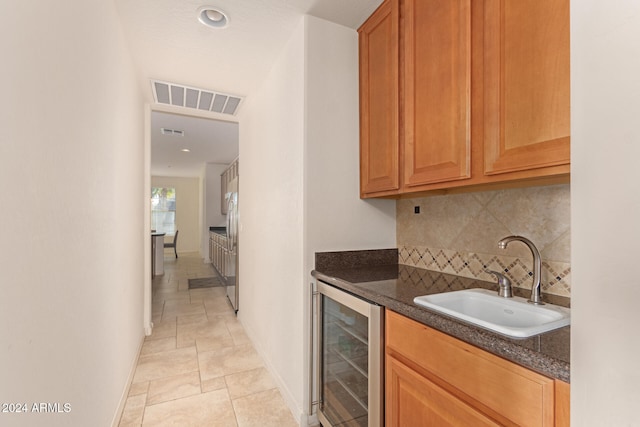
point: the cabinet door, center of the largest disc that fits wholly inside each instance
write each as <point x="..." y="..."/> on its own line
<point x="505" y="391"/>
<point x="379" y="93"/>
<point x="526" y="84"/>
<point x="437" y="90"/>
<point x="413" y="400"/>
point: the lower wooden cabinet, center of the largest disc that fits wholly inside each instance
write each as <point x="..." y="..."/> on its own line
<point x="416" y="401"/>
<point x="563" y="398"/>
<point x="433" y="379"/>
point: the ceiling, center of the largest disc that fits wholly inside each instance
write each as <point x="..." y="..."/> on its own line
<point x="208" y="141"/>
<point x="168" y="43"/>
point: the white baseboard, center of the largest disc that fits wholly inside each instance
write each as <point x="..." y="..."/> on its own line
<point x="125" y="394"/>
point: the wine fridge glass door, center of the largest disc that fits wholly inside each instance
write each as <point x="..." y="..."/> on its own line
<point x="350" y="335"/>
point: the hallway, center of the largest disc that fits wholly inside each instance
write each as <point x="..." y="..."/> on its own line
<point x="198" y="368"/>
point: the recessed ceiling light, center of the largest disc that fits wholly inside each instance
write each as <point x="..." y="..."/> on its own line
<point x="186" y="150"/>
<point x="212" y="17"/>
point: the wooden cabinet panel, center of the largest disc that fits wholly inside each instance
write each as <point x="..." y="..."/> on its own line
<point x="563" y="404"/>
<point x="379" y="100"/>
<point x="526" y="84"/>
<point x="461" y="93"/>
<point x="413" y="400"/>
<point x="437" y="90"/>
<point x="501" y="388"/>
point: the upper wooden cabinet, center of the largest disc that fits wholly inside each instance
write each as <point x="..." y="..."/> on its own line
<point x="526" y="84"/>
<point x="379" y="101"/>
<point x="437" y="90"/>
<point x="460" y="93"/>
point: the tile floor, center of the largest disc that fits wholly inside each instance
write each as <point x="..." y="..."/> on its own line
<point x="198" y="368"/>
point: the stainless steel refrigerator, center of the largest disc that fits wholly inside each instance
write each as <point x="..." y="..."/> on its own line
<point x="231" y="276"/>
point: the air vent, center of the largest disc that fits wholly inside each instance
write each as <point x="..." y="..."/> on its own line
<point x="191" y="97"/>
<point x="175" y="132"/>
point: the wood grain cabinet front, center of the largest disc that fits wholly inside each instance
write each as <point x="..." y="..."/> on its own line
<point x="436" y="106"/>
<point x="435" y="379"/>
<point x="526" y="85"/>
<point x="461" y="93"/>
<point x="379" y="101"/>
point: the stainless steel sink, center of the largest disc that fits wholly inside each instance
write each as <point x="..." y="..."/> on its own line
<point x="513" y="317"/>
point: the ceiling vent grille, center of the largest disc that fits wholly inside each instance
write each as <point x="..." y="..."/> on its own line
<point x="191" y="97"/>
<point x="175" y="132"/>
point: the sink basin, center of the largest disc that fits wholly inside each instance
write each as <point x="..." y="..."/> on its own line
<point x="513" y="317"/>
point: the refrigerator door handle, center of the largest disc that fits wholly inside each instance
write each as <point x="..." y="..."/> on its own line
<point x="229" y="221"/>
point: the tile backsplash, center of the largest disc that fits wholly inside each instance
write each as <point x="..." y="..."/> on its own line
<point x="459" y="234"/>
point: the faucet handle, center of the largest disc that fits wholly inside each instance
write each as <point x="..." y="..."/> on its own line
<point x="503" y="282"/>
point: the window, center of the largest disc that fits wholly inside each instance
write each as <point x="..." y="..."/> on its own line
<point x="163" y="210"/>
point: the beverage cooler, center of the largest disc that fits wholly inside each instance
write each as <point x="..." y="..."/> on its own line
<point x="348" y="349"/>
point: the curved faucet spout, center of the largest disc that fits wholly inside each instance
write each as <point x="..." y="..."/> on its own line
<point x="535" y="298"/>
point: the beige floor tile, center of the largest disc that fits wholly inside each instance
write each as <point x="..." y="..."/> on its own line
<point x="162" y="330"/>
<point x="211" y="409"/>
<point x="188" y="333"/>
<point x="198" y="359"/>
<point x="237" y="332"/>
<point x="166" y="364"/>
<point x="138" y="388"/>
<point x="217" y="305"/>
<point x="228" y="361"/>
<point x="213" y="384"/>
<point x="210" y="344"/>
<point x="192" y="318"/>
<point x="264" y="409"/>
<point x="133" y="410"/>
<point x="192" y="309"/>
<point x="158" y="345"/>
<point x="172" y="388"/>
<point x="249" y="382"/>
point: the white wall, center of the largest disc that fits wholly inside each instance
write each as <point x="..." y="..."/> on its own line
<point x="188" y="211"/>
<point x="271" y="217"/>
<point x="299" y="193"/>
<point x="605" y="341"/>
<point x="335" y="217"/>
<point x="71" y="167"/>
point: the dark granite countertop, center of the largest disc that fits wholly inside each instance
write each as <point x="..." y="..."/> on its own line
<point x="219" y="230"/>
<point x="394" y="286"/>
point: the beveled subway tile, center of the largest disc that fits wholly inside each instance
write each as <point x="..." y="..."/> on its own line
<point x="249" y="382"/>
<point x="176" y="387"/>
<point x="212" y="409"/>
<point x="264" y="409"/>
<point x="166" y="364"/>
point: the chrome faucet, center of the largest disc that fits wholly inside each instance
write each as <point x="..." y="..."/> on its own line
<point x="535" y="289"/>
<point x="504" y="284"/>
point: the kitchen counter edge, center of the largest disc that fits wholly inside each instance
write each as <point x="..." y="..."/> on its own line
<point x="509" y="349"/>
